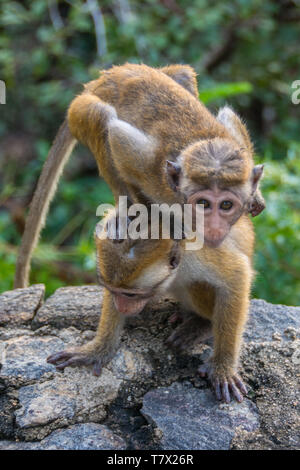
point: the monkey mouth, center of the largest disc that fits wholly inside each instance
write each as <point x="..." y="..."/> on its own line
<point x="213" y="243"/>
<point x="127" y="304"/>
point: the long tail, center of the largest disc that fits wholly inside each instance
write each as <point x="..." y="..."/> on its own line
<point x="57" y="158"/>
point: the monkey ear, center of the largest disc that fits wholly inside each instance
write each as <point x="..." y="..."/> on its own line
<point x="128" y="142"/>
<point x="257" y="173"/>
<point x="173" y="172"/>
<point x="235" y="127"/>
<point x="184" y="75"/>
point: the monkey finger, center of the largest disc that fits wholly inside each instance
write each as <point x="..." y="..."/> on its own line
<point x="217" y="388"/>
<point x="234" y="390"/>
<point x="225" y="392"/>
<point x="97" y="369"/>
<point x="240" y="384"/>
<point x="72" y="362"/>
<point x="58" y="357"/>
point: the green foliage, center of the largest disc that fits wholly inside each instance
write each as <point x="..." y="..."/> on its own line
<point x="224" y="90"/>
<point x="246" y="53"/>
<point x="278" y="232"/>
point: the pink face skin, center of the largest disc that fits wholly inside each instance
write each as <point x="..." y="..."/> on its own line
<point x="222" y="208"/>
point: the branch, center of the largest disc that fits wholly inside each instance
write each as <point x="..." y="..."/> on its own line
<point x="122" y="11"/>
<point x="222" y="51"/>
<point x="97" y="16"/>
<point x="55" y="15"/>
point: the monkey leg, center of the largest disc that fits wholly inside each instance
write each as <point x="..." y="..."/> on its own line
<point x="88" y="119"/>
<point x="191" y="331"/>
<point x="101" y="349"/>
<point x="229" y="317"/>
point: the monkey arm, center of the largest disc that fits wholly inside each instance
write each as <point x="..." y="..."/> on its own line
<point x="228" y="321"/>
<point x="102" y="348"/>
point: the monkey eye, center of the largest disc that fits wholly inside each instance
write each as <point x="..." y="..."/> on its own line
<point x="226" y="205"/>
<point x="129" y="295"/>
<point x="204" y="202"/>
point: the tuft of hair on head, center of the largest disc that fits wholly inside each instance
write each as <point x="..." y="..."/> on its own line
<point x="216" y="161"/>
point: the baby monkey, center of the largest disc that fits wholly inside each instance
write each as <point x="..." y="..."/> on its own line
<point x="133" y="272"/>
<point x="212" y="283"/>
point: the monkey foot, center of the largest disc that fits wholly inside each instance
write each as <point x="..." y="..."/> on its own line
<point x="75" y="357"/>
<point x="224" y="385"/>
<point x="192" y="331"/>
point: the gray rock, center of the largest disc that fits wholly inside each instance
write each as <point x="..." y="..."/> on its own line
<point x="76" y="392"/>
<point x="266" y="319"/>
<point x="41" y="404"/>
<point x="71" y="306"/>
<point x="90" y="436"/>
<point x="18" y="307"/>
<point x="273" y="370"/>
<point x="11" y="445"/>
<point x="191" y="419"/>
<point x="25" y="356"/>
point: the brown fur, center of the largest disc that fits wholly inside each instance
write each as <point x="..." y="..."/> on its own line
<point x="162" y="105"/>
<point x="152" y="112"/>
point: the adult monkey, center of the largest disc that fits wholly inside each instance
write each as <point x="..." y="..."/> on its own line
<point x="155" y="142"/>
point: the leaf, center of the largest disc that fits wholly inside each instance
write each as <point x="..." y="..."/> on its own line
<point x="224" y="91"/>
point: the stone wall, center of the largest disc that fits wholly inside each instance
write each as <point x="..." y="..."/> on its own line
<point x="148" y="397"/>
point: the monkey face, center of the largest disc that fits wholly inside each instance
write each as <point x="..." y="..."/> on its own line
<point x="222" y="208"/>
<point x="135" y="271"/>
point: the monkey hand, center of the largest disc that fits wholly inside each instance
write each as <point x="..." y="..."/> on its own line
<point x="91" y="354"/>
<point x="192" y="331"/>
<point x="224" y="382"/>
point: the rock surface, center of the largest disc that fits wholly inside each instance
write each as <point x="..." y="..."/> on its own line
<point x="191" y="419"/>
<point x="18" y="307"/>
<point x="89" y="436"/>
<point x="148" y="396"/>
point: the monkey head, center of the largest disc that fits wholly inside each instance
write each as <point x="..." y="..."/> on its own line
<point x="219" y="174"/>
<point x="135" y="271"/>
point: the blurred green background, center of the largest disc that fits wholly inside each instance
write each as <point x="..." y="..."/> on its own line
<point x="247" y="54"/>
